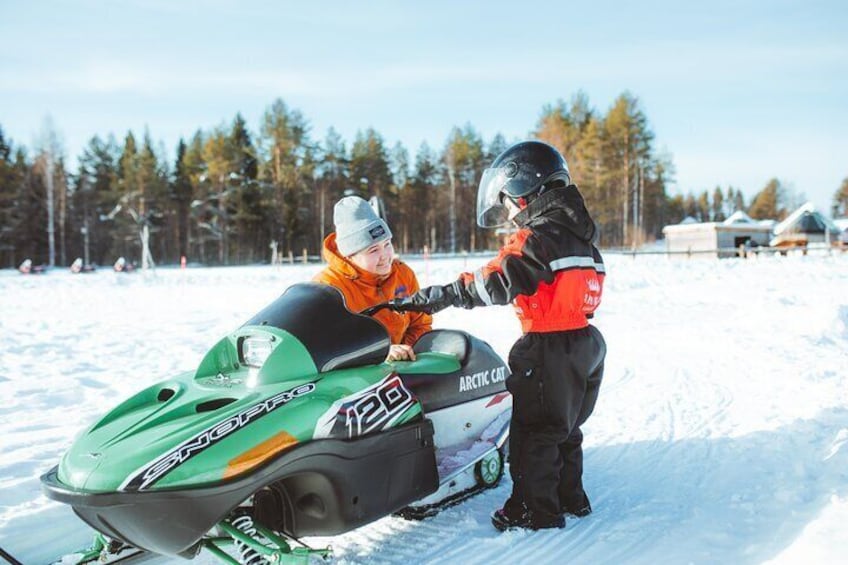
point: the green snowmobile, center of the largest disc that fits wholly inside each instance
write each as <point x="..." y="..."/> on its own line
<point x="292" y="426"/>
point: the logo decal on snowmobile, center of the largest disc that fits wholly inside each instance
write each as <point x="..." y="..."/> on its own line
<point x="482" y="378"/>
<point x="220" y="381"/>
<point x="149" y="474"/>
<point x="372" y="409"/>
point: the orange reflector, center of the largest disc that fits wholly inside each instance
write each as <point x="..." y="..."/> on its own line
<point x="256" y="455"/>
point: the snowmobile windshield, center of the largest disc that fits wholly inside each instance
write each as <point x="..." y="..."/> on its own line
<point x="491" y="212"/>
<point x="335" y="337"/>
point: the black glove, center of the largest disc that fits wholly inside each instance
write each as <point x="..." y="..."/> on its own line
<point x="432" y="299"/>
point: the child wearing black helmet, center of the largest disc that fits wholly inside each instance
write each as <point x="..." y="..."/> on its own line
<point x="552" y="272"/>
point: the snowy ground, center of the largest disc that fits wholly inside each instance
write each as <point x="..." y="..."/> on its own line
<point x="719" y="437"/>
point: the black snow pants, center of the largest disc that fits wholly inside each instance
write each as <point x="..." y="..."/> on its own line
<point x="554" y="384"/>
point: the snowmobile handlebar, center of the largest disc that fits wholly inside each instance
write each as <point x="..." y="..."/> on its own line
<point x="397" y="305"/>
<point x="377" y="307"/>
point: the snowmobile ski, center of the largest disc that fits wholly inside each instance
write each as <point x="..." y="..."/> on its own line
<point x="106" y="551"/>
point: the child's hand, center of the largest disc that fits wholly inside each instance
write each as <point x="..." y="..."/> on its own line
<point x="400" y="352"/>
<point x="431" y="299"/>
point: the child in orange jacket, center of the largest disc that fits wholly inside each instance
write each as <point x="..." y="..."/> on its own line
<point x="361" y="264"/>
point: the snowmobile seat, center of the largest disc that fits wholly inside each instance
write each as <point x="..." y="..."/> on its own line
<point x="450" y="342"/>
<point x="307" y="310"/>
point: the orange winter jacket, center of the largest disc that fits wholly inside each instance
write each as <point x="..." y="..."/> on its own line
<point x="362" y="290"/>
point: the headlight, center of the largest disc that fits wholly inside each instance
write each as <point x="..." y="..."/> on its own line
<point x="255" y="350"/>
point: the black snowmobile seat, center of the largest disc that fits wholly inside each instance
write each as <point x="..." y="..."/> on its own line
<point x="335" y="337"/>
<point x="449" y="342"/>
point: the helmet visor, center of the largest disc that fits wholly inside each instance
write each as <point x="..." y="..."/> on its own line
<point x="491" y="212"/>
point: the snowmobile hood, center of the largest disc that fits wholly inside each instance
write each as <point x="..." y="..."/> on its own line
<point x="255" y="394"/>
<point x="187" y="431"/>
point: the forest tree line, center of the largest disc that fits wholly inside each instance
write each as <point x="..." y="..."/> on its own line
<point x="230" y="195"/>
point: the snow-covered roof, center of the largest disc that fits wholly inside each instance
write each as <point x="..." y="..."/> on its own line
<point x="738" y="217"/>
<point x="700" y="227"/>
<point x="806" y="219"/>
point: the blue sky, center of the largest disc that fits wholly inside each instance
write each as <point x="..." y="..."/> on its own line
<point x="736" y="92"/>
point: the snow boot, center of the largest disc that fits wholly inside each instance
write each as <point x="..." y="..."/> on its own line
<point x="504" y="520"/>
<point x="579" y="510"/>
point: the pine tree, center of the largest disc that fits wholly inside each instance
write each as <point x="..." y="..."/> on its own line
<point x="284" y="141"/>
<point x="659" y="173"/>
<point x="30" y="237"/>
<point x="768" y="203"/>
<point x="739" y="201"/>
<point x="333" y="176"/>
<point x="690" y="207"/>
<point x="704" y="207"/>
<point x="718" y="205"/>
<point x="840" y="200"/>
<point x="83" y="205"/>
<point x="370" y="169"/>
<point x="247" y="203"/>
<point x="181" y="194"/>
<point x="627" y="155"/>
<point x="676" y="209"/>
<point x="5" y="149"/>
<point x="49" y="161"/>
<point x="307" y="178"/>
<point x="62" y="191"/>
<point x="402" y="215"/>
<point x="10" y="187"/>
<point x="126" y="202"/>
<point x="97" y="195"/>
<point x="564" y="127"/>
<point x="195" y="170"/>
<point x="464" y="161"/>
<point x="153" y="186"/>
<point x="369" y="164"/>
<point x="594" y="179"/>
<point x="497" y="146"/>
<point x="425" y="187"/>
<point x="218" y="156"/>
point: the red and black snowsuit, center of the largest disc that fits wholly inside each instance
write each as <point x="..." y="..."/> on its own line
<point x="554" y="275"/>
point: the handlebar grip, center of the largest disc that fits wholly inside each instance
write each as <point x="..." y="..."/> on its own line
<point x="376" y="308"/>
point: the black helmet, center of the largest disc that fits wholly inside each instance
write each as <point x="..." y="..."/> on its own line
<point x="524" y="170"/>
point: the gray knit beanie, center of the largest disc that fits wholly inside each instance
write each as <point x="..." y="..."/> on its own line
<point x="357" y="225"/>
